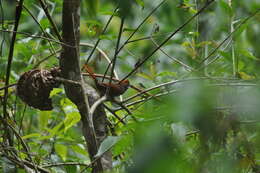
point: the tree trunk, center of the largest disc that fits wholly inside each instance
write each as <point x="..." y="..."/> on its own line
<point x="81" y="95"/>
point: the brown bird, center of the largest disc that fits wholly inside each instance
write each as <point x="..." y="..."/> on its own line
<point x="111" y="89"/>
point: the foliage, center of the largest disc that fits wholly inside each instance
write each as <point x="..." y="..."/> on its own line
<point x="203" y="115"/>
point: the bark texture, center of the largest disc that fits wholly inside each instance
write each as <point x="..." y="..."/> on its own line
<point x="81" y="95"/>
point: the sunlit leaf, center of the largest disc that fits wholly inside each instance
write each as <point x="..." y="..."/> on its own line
<point x="167" y="73"/>
<point x="61" y="150"/>
<point x="44" y="117"/>
<point x="79" y="149"/>
<point x="32" y="135"/>
<point x="107" y="144"/>
<point x="124" y="143"/>
<point x="245" y="76"/>
<point x="247" y="54"/>
<point x="145" y="76"/>
<point x="55" y="91"/>
<point x="71" y="119"/>
<point x="140" y="2"/>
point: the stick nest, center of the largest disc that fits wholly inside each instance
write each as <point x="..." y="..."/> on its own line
<point x="34" y="87"/>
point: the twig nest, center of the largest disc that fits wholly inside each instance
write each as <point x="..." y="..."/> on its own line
<point x="34" y="87"/>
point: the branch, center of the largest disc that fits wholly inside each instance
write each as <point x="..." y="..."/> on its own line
<point x="45" y="9"/>
<point x="22" y="163"/>
<point x="103" y="31"/>
<point x="227" y="38"/>
<point x="139" y="26"/>
<point x="167" y="39"/>
<point x="172" y="58"/>
<point x="18" y="13"/>
<point x="94" y="107"/>
<point x="44" y="33"/>
<point x="102" y="53"/>
<point x="36" y="36"/>
<point x="113" y="61"/>
<point x="81" y="95"/>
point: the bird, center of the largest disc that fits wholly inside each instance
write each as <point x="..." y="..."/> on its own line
<point x="108" y="88"/>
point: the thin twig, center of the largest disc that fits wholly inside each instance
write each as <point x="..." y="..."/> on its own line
<point x="145" y="99"/>
<point x="148" y="37"/>
<point x="167" y="39"/>
<point x="35" y="36"/>
<point x="22" y="163"/>
<point x="113" y="61"/>
<point x="46" y="58"/>
<point x="45" y="9"/>
<point x="133" y="33"/>
<point x="102" y="53"/>
<point x="67" y="81"/>
<point x="117" y="50"/>
<point x="139" y="26"/>
<point x="94" y="107"/>
<point x="113" y="113"/>
<point x="162" y="85"/>
<point x="26" y="148"/>
<point x="44" y="33"/>
<point x="117" y="80"/>
<point x="172" y="58"/>
<point x="126" y="109"/>
<point x="103" y="31"/>
<point x="227" y="38"/>
<point x="64" y="164"/>
<point x="8" y="86"/>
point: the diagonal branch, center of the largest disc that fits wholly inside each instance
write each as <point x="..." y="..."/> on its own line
<point x="45" y="9"/>
<point x="227" y="38"/>
<point x="103" y="31"/>
<point x="167" y="39"/>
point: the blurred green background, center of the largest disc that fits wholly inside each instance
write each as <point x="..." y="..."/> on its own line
<point x="206" y="117"/>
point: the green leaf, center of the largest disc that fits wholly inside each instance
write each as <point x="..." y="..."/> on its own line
<point x="167" y="73"/>
<point x="153" y="70"/>
<point x="92" y="7"/>
<point x="71" y="119"/>
<point x="240" y="30"/>
<point x="226" y="55"/>
<point x="56" y="130"/>
<point x="79" y="149"/>
<point x="123" y="144"/>
<point x="203" y="43"/>
<point x="140" y="2"/>
<point x="241" y="65"/>
<point x="61" y="150"/>
<point x="107" y="37"/>
<point x="247" y="54"/>
<point x="32" y="135"/>
<point x="93" y="22"/>
<point x="110" y="13"/>
<point x="44" y="117"/>
<point x="145" y="76"/>
<point x="44" y="23"/>
<point x="226" y="8"/>
<point x="192" y="10"/>
<point x="55" y="91"/>
<point x="108" y="143"/>
<point x="245" y="76"/>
